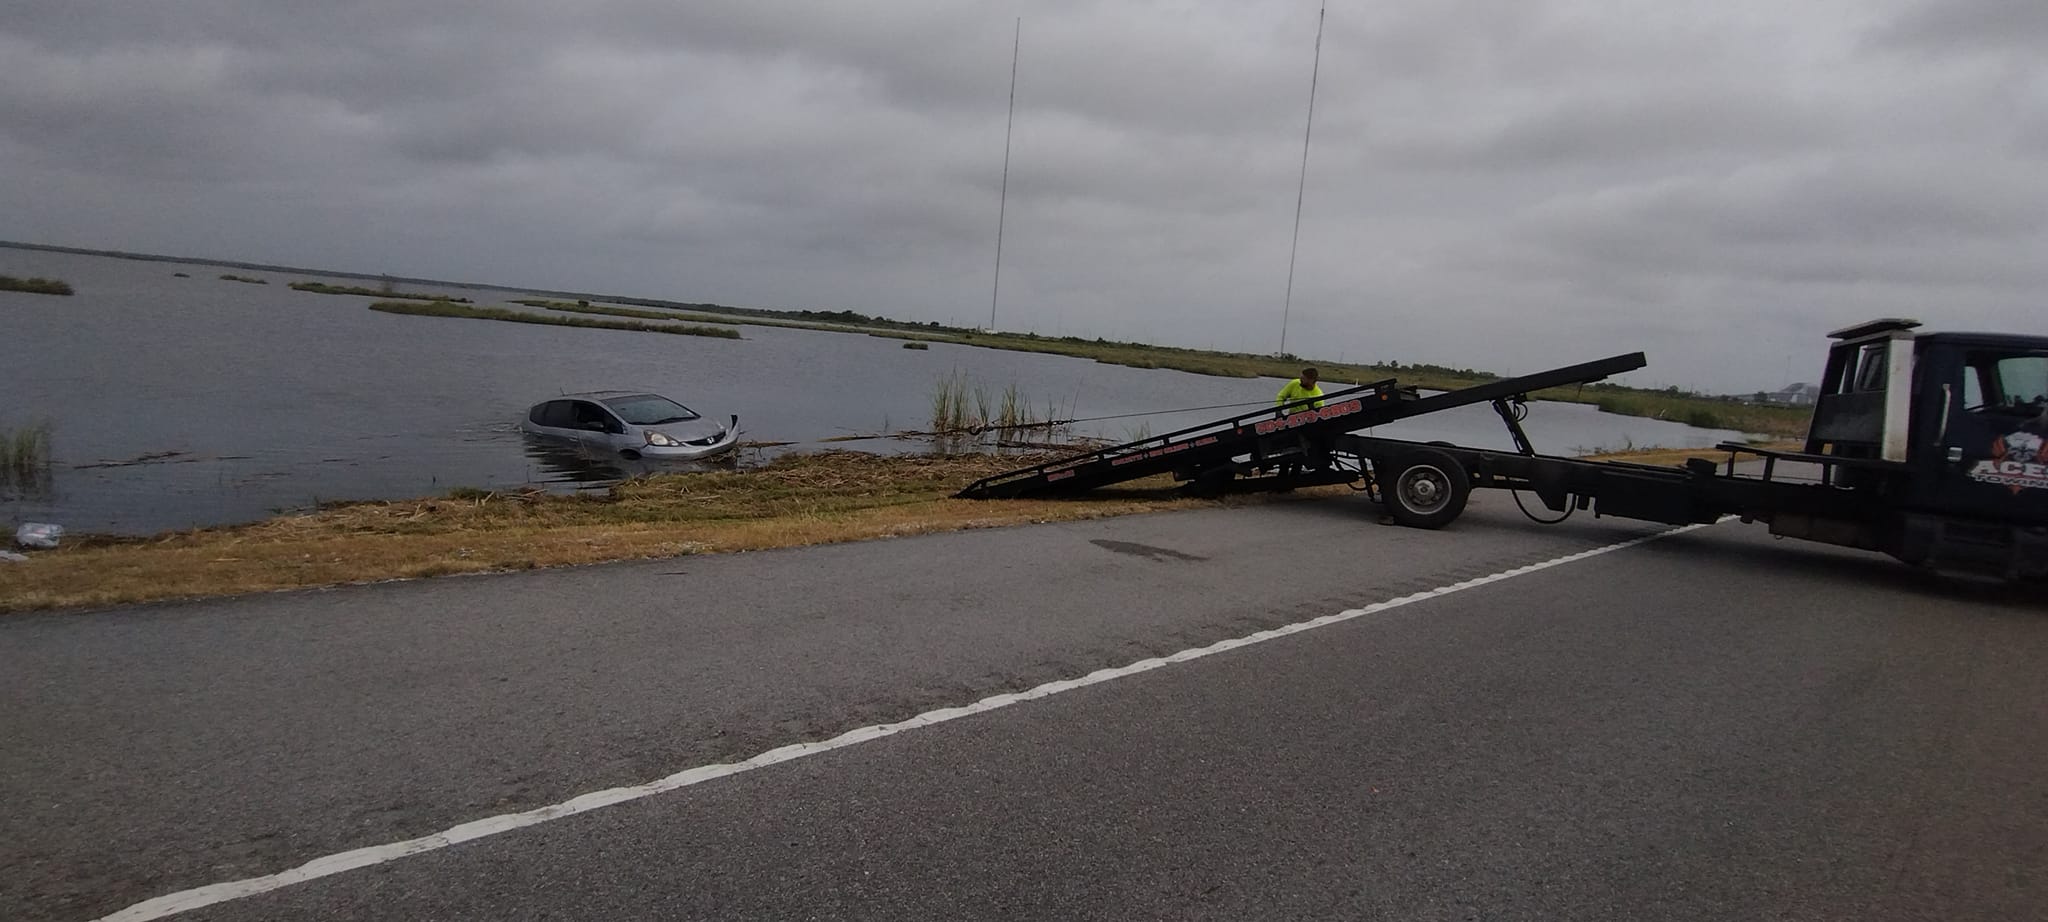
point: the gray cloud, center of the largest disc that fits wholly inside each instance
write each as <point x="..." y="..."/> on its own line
<point x="1497" y="183"/>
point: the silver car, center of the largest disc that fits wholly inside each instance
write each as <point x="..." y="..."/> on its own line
<point x="631" y="425"/>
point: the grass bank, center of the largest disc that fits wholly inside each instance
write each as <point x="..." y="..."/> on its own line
<point x="35" y="286"/>
<point x="244" y="279"/>
<point x="451" y="309"/>
<point x="322" y="288"/>
<point x="801" y="500"/>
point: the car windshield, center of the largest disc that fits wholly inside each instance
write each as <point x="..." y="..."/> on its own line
<point x="650" y="410"/>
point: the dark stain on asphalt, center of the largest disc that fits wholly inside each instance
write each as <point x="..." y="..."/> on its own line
<point x="1144" y="550"/>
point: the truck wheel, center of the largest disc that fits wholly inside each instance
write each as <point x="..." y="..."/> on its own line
<point x="1428" y="490"/>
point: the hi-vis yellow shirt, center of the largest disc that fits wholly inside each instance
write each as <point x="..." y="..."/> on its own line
<point x="1294" y="391"/>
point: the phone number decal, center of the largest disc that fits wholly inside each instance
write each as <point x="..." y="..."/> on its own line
<point x="1303" y="418"/>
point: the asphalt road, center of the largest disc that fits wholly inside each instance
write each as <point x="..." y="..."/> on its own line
<point x="1710" y="725"/>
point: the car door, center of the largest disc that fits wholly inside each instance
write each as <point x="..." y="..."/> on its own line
<point x="596" y="427"/>
<point x="554" y="419"/>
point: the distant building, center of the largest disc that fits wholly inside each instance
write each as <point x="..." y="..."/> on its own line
<point x="1794" y="395"/>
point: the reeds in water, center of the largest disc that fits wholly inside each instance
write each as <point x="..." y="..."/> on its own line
<point x="966" y="411"/>
<point x="25" y="456"/>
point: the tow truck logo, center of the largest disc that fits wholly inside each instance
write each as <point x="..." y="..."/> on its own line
<point x="2016" y="461"/>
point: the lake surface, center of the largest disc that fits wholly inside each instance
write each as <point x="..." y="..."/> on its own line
<point x="273" y="399"/>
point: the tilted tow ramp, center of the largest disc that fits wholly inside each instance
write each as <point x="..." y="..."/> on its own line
<point x="1230" y="455"/>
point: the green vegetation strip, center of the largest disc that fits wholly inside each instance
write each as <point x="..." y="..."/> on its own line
<point x="450" y="309"/>
<point x="585" y="307"/>
<point x="244" y="278"/>
<point x="35" y="286"/>
<point x="623" y="312"/>
<point x="322" y="288"/>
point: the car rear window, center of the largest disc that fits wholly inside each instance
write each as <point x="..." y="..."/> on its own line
<point x="650" y="410"/>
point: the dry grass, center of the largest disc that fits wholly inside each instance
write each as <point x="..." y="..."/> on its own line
<point x="802" y="500"/>
<point x="811" y="499"/>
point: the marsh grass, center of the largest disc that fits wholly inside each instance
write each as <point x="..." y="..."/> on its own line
<point x="322" y="288"/>
<point x="244" y="279"/>
<point x="967" y="414"/>
<point x="25" y="457"/>
<point x="948" y="399"/>
<point x="35" y="285"/>
<point x="451" y="309"/>
<point x="584" y="307"/>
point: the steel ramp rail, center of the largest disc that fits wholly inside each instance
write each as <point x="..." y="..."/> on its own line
<point x="1196" y="447"/>
<point x="1261" y="437"/>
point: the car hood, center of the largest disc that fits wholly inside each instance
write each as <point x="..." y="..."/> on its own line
<point x="699" y="428"/>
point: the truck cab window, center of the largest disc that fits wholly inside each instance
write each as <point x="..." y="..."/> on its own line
<point x="1870" y="369"/>
<point x="2006" y="384"/>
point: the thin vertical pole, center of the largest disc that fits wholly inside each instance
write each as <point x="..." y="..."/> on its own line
<point x="1315" y="71"/>
<point x="1003" y="201"/>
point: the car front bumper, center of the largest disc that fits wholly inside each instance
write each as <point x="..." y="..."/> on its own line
<point x="725" y="443"/>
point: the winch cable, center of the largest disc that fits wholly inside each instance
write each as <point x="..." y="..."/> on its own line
<point x="1094" y="419"/>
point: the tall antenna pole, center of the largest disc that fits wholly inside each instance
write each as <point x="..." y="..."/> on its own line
<point x="1003" y="202"/>
<point x="1315" y="71"/>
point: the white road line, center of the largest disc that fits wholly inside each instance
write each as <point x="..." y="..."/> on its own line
<point x="186" y="900"/>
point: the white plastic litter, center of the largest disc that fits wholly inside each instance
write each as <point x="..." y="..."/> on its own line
<point x="38" y="534"/>
<point x="11" y="557"/>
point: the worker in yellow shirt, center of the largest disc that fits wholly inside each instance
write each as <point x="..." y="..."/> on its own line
<point x="1290" y="402"/>
<point x="1300" y="389"/>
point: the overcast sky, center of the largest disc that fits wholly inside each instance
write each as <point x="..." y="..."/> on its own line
<point x="1505" y="184"/>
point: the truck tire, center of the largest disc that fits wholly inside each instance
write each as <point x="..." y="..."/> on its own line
<point x="1428" y="489"/>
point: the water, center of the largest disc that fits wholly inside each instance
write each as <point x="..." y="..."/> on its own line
<point x="273" y="399"/>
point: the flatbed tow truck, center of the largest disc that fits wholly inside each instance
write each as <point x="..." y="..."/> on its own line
<point x="1924" y="446"/>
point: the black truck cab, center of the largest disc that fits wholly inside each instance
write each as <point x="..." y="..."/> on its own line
<point x="1949" y="430"/>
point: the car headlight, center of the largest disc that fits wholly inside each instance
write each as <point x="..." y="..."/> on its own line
<point x="661" y="439"/>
